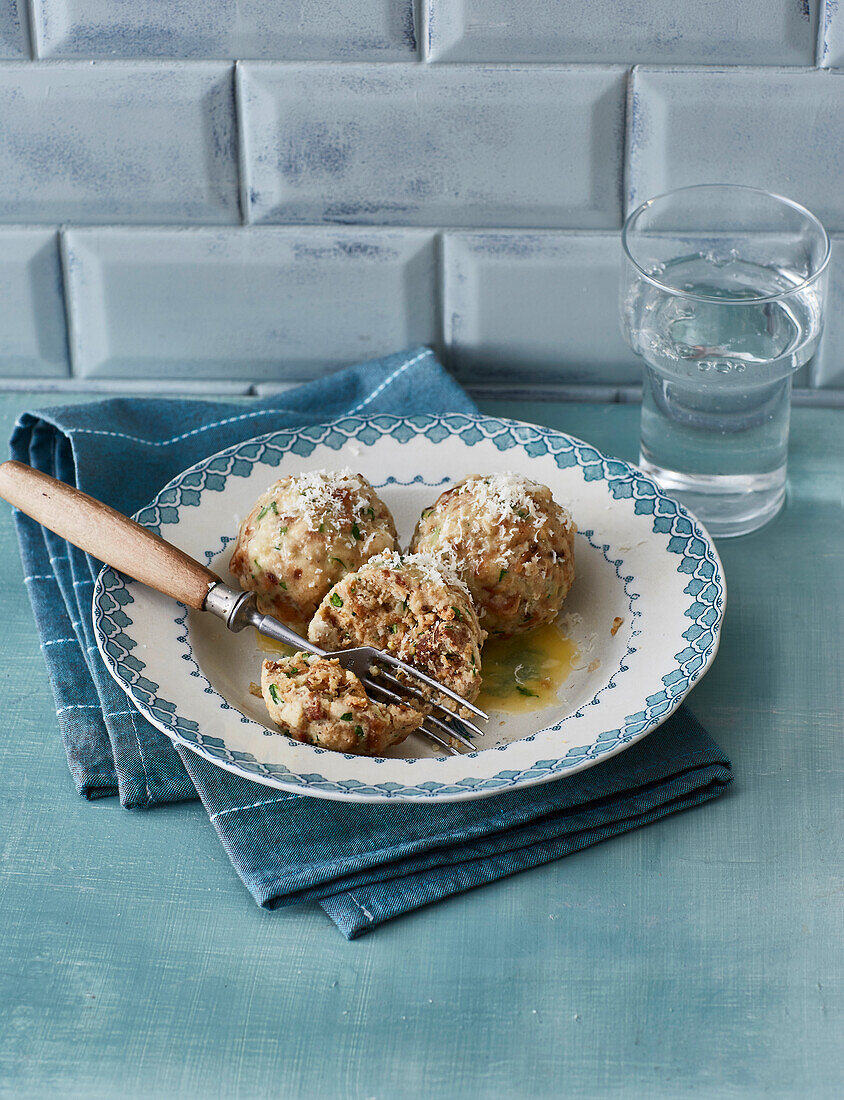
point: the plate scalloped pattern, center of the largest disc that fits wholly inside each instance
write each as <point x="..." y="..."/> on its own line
<point x="695" y="559"/>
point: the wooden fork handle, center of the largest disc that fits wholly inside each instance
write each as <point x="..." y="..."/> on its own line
<point x="106" y="534"/>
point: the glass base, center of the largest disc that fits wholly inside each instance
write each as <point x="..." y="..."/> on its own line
<point x="726" y="504"/>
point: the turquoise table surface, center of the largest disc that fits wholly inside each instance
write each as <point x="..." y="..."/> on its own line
<point x="700" y="956"/>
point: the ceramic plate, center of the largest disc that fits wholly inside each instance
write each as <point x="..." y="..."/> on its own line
<point x="639" y="557"/>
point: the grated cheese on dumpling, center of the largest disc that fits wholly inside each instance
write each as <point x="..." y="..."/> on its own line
<point x="329" y="494"/>
<point x="498" y="497"/>
<point x="440" y="569"/>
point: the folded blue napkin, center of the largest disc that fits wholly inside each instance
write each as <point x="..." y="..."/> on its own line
<point x="363" y="863"/>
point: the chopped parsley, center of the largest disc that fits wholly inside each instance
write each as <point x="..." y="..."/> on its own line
<point x="426" y="512"/>
<point x="283" y="584"/>
<point x="502" y="574"/>
<point x="356" y="532"/>
<point x="347" y="717"/>
<point x="457" y="613"/>
<point x="335" y="600"/>
<point x="282" y="530"/>
<point x="340" y="562"/>
<point x="274" y="693"/>
<point x="393" y="628"/>
<point x="526" y="691"/>
<point x="370" y="512"/>
<point x="359" y="732"/>
<point x="257" y="564"/>
<point x="321" y="528"/>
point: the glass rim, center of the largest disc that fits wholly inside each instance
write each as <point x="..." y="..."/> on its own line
<point x="676" y="292"/>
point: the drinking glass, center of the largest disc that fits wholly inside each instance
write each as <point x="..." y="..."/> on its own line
<point x="722" y="295"/>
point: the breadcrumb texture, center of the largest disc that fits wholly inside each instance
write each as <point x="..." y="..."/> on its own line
<point x="511" y="543"/>
<point x="303" y="534"/>
<point x="412" y="606"/>
<point x="316" y="701"/>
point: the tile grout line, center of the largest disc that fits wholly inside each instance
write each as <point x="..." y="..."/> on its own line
<point x="30" y="30"/>
<point x="441" y="345"/>
<point x="597" y="393"/>
<point x="820" y="37"/>
<point x="177" y="229"/>
<point x="240" y="137"/>
<point x="627" y="143"/>
<point x="423" y="42"/>
<point x="70" y="323"/>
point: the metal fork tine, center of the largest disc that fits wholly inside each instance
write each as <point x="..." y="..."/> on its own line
<point x="441" y="741"/>
<point x="447" y="730"/>
<point x="431" y="682"/>
<point x="417" y="694"/>
<point x="453" y="733"/>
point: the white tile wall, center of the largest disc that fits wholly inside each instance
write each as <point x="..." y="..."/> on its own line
<point x="346" y="30"/>
<point x="831" y="40"/>
<point x="14" y="29"/>
<point x="752" y="32"/>
<point x="255" y="304"/>
<point x="534" y="307"/>
<point x="828" y="367"/>
<point x="443" y="171"/>
<point x="415" y="145"/>
<point x="781" y="130"/>
<point x="33" y="341"/>
<point x="117" y="141"/>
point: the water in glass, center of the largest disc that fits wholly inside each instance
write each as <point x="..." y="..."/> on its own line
<point x="717" y="385"/>
<point x="722" y="296"/>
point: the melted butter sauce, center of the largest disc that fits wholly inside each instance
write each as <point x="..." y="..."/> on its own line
<point x="273" y="648"/>
<point x="524" y="673"/>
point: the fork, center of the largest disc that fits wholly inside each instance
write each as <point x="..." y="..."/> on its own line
<point x="140" y="553"/>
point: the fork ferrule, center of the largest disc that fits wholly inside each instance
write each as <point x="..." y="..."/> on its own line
<point x="236" y="609"/>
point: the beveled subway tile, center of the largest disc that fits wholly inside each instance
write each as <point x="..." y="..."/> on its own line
<point x="774" y="129"/>
<point x="33" y="339"/>
<point x="342" y="30"/>
<point x="432" y="145"/>
<point x="254" y="304"/>
<point x="828" y="366"/>
<point x="14" y="30"/>
<point x="535" y="307"/>
<point x="831" y="37"/>
<point x="121" y="141"/>
<point x="756" y="32"/>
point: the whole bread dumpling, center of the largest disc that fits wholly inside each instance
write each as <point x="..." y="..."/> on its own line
<point x="315" y="700"/>
<point x="412" y="606"/>
<point x="303" y="534"/>
<point x="512" y="544"/>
